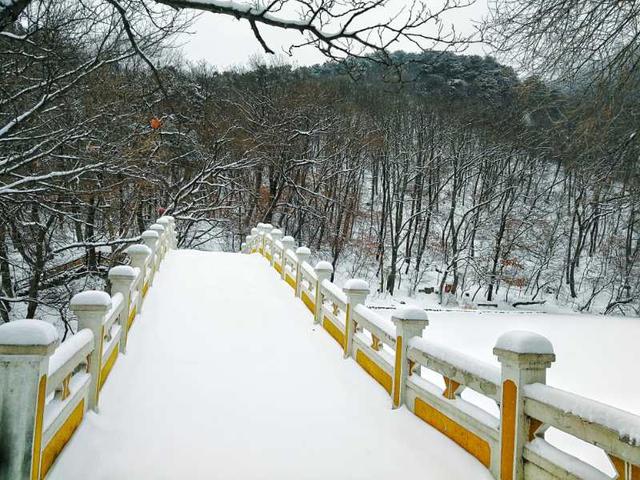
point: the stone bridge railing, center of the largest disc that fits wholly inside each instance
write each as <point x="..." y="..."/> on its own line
<point x="394" y="353"/>
<point x="47" y="387"/>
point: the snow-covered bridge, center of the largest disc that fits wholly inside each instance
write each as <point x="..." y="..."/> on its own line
<point x="236" y="370"/>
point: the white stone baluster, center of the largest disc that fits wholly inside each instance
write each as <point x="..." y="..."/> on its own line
<point x="139" y="255"/>
<point x="356" y="291"/>
<point x="150" y="239"/>
<point x="323" y="272"/>
<point x="410" y="322"/>
<point x="255" y="235"/>
<point x="173" y="232"/>
<point x="525" y="358"/>
<point x="276" y="235"/>
<point x="122" y="278"/>
<point x="162" y="240"/>
<point x="303" y="254"/>
<point x="169" y="224"/>
<point x="90" y="308"/>
<point x="266" y="229"/>
<point x="288" y="243"/>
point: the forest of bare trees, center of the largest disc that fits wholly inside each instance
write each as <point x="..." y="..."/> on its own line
<point x="463" y="179"/>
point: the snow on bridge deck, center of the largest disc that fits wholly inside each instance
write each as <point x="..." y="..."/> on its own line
<point x="226" y="377"/>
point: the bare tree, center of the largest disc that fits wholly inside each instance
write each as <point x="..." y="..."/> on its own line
<point x="568" y="39"/>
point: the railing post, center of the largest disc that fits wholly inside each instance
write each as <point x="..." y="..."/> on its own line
<point x="323" y="272"/>
<point x="162" y="240"/>
<point x="25" y="347"/>
<point x="410" y="322"/>
<point x="260" y="238"/>
<point x="356" y="291"/>
<point x="174" y="233"/>
<point x="122" y="278"/>
<point x="525" y="357"/>
<point x="90" y="308"/>
<point x="248" y="244"/>
<point x="288" y="243"/>
<point x="150" y="239"/>
<point x="276" y="235"/>
<point x="169" y="225"/>
<point x="255" y="236"/>
<point x="266" y="229"/>
<point x="303" y="254"/>
<point x="138" y="254"/>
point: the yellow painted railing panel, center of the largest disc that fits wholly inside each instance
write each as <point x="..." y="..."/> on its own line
<point x="375" y="370"/>
<point x="508" y="427"/>
<point x="108" y="365"/>
<point x="625" y="470"/>
<point x="145" y="289"/>
<point x="37" y="435"/>
<point x="132" y="317"/>
<point x="396" y="373"/>
<point x="472" y="443"/>
<point x="278" y="267"/>
<point x="308" y="302"/>
<point x="61" y="437"/>
<point x="334" y="331"/>
<point x="291" y="281"/>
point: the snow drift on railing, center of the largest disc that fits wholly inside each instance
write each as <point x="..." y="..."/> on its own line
<point x="383" y="324"/>
<point x="68" y="349"/>
<point x="625" y="424"/>
<point x="458" y="359"/>
<point x="308" y="271"/>
<point x="572" y="464"/>
<point x="335" y="291"/>
<point x="117" y="304"/>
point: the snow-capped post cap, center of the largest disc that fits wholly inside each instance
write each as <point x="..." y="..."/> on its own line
<point x="150" y="239"/>
<point x="409" y="321"/>
<point x="524" y="347"/>
<point x="122" y="272"/>
<point x="356" y="291"/>
<point x="28" y="337"/>
<point x="356" y="284"/>
<point x="91" y="301"/>
<point x="254" y="231"/>
<point x="410" y="313"/>
<point x="267" y="227"/>
<point x="324" y="267"/>
<point x="163" y="221"/>
<point x="303" y="253"/>
<point x="149" y="234"/>
<point x="288" y="242"/>
<point x="157" y="227"/>
<point x="138" y="249"/>
<point x="276" y="234"/>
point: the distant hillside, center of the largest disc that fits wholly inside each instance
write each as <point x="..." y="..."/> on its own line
<point x="430" y="73"/>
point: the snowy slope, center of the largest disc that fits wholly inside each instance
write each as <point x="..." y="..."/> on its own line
<point x="227" y="378"/>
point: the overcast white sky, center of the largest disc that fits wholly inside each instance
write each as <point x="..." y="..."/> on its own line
<point x="226" y="42"/>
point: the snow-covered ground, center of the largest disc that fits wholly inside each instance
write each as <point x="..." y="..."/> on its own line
<point x="226" y="377"/>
